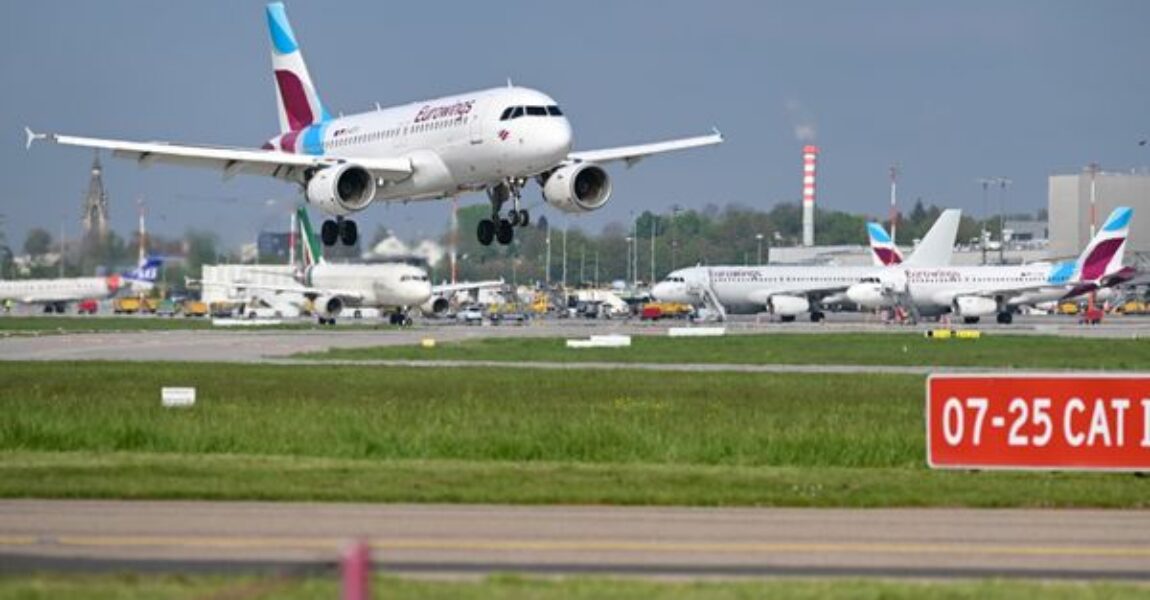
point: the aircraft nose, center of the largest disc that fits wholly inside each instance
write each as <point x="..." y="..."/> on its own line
<point x="664" y="292"/>
<point x="559" y="138"/>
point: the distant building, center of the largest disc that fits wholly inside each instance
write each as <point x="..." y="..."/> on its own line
<point x="272" y="244"/>
<point x="1069" y="208"/>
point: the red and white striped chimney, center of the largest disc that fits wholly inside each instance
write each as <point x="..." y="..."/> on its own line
<point x="810" y="164"/>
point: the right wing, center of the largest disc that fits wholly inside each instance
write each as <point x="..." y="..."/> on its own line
<point x="633" y="154"/>
<point x="231" y="161"/>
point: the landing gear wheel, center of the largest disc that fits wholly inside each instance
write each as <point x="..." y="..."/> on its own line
<point x="348" y="232"/>
<point x="787" y="318"/>
<point x="524" y="218"/>
<point x="329" y="232"/>
<point x="486" y="232"/>
<point x="513" y="216"/>
<point x="505" y="232"/>
<point x="817" y="316"/>
<point x="1005" y="318"/>
<point x="970" y="320"/>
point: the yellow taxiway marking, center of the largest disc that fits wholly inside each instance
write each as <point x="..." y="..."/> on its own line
<point x="386" y="544"/>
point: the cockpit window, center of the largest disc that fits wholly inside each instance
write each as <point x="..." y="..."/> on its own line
<point x="506" y="113"/>
<point x="537" y="111"/>
<point x="554" y="111"/>
<point x="518" y="112"/>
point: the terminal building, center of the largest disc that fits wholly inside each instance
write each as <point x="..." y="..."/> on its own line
<point x="1069" y="208"/>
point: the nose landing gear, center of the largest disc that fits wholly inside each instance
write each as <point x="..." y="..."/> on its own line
<point x="498" y="228"/>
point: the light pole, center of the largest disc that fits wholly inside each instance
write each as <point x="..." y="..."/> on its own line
<point x="564" y="254"/>
<point x="982" y="236"/>
<point x="629" y="240"/>
<point x="547" y="269"/>
<point x="674" y="236"/>
<point x="653" y="224"/>
<point x="1002" y="182"/>
<point x="759" y="239"/>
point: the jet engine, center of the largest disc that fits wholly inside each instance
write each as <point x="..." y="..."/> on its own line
<point x="868" y="294"/>
<point x="577" y="188"/>
<point x="975" y="306"/>
<point x="328" y="307"/>
<point x="435" y="306"/>
<point x="788" y="306"/>
<point x="341" y="190"/>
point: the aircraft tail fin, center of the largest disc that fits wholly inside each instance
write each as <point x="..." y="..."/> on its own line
<point x="1103" y="256"/>
<point x="298" y="100"/>
<point x="147" y="271"/>
<point x="312" y="251"/>
<point x="883" y="250"/>
<point x="937" y="245"/>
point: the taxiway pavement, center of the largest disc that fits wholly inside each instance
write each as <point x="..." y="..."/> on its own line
<point x="473" y="540"/>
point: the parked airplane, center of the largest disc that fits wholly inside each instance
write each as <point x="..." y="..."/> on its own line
<point x="55" y="294"/>
<point x="789" y="291"/>
<point x="495" y="140"/>
<point x="331" y="287"/>
<point x="974" y="292"/>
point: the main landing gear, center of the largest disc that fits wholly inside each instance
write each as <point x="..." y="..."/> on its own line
<point x="498" y="228"/>
<point x="341" y="229"/>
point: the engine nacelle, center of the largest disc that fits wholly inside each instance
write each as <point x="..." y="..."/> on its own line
<point x="788" y="306"/>
<point x="577" y="188"/>
<point x="868" y="294"/>
<point x="328" y="307"/>
<point x="341" y="190"/>
<point x="435" y="306"/>
<point x="975" y="306"/>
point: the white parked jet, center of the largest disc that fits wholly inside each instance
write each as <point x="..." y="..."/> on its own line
<point x="974" y="292"/>
<point x="55" y="294"/>
<point x="789" y="291"/>
<point x="495" y="140"/>
<point x="332" y="287"/>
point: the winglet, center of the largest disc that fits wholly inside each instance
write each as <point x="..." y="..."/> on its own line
<point x="717" y="132"/>
<point x="32" y="137"/>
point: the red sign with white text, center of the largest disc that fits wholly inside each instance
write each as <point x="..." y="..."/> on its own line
<point x="1087" y="422"/>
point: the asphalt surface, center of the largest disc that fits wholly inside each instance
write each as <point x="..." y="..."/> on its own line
<point x="471" y="540"/>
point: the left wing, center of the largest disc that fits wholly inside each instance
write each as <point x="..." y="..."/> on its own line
<point x="231" y="161"/>
<point x="450" y="288"/>
<point x="633" y="154"/>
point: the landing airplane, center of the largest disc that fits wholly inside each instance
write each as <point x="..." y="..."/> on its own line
<point x="494" y="140"/>
<point x="974" y="292"/>
<point x="788" y="291"/>
<point x="56" y="294"/>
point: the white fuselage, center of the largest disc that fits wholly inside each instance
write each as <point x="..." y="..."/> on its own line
<point x="456" y="144"/>
<point x="748" y="289"/>
<point x="44" y="291"/>
<point x="938" y="289"/>
<point x="379" y="285"/>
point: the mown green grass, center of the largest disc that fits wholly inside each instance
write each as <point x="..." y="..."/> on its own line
<point x="992" y="350"/>
<point x="494" y="435"/>
<point x="122" y="586"/>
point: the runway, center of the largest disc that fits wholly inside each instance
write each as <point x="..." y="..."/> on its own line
<point x="472" y="540"/>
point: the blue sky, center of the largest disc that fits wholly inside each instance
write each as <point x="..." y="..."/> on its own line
<point x="949" y="91"/>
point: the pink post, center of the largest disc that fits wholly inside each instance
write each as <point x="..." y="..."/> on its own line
<point x="356" y="568"/>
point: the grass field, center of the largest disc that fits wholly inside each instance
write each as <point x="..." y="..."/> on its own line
<point x="494" y="435"/>
<point x="992" y="350"/>
<point x="502" y="586"/>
